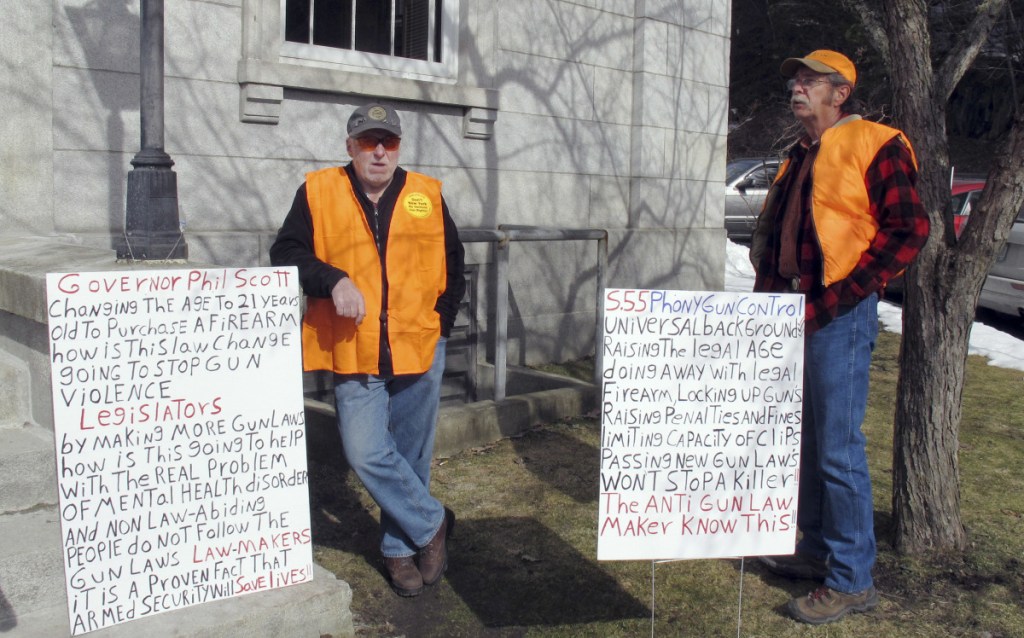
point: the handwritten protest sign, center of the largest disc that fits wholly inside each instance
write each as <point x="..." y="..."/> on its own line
<point x="179" y="423"/>
<point x="701" y="414"/>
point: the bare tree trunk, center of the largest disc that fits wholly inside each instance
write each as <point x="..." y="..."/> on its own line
<point x="926" y="482"/>
<point x="941" y="293"/>
<point x="926" y="479"/>
<point x="941" y="290"/>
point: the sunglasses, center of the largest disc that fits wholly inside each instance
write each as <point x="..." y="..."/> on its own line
<point x="370" y="142"/>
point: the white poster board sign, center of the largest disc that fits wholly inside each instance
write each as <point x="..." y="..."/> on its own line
<point x="700" y="432"/>
<point x="180" y="435"/>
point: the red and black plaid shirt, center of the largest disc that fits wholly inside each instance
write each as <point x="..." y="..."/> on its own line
<point x="902" y="231"/>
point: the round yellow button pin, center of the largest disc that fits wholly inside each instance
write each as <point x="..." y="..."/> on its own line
<point x="418" y="205"/>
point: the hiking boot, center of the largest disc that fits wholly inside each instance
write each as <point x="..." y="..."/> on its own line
<point x="406" y="579"/>
<point x="434" y="555"/>
<point x="824" y="605"/>
<point x="796" y="566"/>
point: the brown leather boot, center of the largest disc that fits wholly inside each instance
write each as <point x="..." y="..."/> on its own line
<point x="406" y="579"/>
<point x="434" y="555"/>
<point x="824" y="605"/>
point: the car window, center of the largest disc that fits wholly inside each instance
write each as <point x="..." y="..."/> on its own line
<point x="762" y="177"/>
<point x="734" y="169"/>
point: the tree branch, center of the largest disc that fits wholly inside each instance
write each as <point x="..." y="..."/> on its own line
<point x="1004" y="193"/>
<point x="873" y="26"/>
<point x="966" y="47"/>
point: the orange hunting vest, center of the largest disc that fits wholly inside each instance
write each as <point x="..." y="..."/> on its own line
<point x="842" y="212"/>
<point x="415" y="271"/>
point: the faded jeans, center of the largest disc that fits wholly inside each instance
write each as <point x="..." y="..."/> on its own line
<point x="387" y="427"/>
<point x="836" y="511"/>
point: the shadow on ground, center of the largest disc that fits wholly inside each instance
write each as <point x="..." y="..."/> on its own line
<point x="547" y="454"/>
<point x="505" y="575"/>
<point x="509" y="567"/>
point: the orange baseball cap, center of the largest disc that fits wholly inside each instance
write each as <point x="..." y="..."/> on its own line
<point x="822" y="61"/>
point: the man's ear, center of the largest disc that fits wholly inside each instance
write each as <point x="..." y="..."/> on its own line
<point x="842" y="94"/>
<point x="348" y="147"/>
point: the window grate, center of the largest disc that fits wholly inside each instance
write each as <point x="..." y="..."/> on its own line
<point x="399" y="28"/>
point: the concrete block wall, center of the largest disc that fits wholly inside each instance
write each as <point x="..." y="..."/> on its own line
<point x="26" y="157"/>
<point x="609" y="114"/>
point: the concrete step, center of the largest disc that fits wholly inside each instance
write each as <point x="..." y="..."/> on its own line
<point x="14" y="392"/>
<point x="33" y="602"/>
<point x="28" y="475"/>
<point x="31" y="567"/>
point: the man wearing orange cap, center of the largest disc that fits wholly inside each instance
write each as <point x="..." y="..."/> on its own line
<point x="841" y="219"/>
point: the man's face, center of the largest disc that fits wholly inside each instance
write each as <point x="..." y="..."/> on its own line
<point x="373" y="162"/>
<point x="813" y="97"/>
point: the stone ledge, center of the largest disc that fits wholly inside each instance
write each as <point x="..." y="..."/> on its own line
<point x="29" y="476"/>
<point x="33" y="603"/>
<point x="31" y="568"/>
<point x="25" y="261"/>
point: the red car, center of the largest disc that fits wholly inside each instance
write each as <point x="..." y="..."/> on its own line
<point x="965" y="194"/>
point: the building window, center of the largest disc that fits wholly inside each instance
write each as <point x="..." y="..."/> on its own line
<point x="403" y="38"/>
<point x="405" y="50"/>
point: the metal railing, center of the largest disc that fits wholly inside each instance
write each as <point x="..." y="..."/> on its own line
<point x="502" y="238"/>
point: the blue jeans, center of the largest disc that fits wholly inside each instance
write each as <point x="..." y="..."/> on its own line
<point x="387" y="427"/>
<point x="836" y="510"/>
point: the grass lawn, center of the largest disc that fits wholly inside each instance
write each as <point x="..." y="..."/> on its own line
<point x="523" y="552"/>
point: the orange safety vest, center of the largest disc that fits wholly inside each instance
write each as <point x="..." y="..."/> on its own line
<point x="840" y="206"/>
<point x="415" y="271"/>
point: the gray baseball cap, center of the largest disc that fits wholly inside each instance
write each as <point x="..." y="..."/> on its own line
<point x="374" y="117"/>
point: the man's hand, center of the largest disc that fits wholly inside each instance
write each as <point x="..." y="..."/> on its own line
<point x="348" y="301"/>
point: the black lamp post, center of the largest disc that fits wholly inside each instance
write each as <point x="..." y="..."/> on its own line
<point x="151" y="227"/>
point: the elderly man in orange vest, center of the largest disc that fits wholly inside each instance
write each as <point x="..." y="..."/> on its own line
<point x="842" y="218"/>
<point x="381" y="263"/>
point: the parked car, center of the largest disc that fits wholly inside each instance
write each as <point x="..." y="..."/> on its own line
<point x="965" y="194"/>
<point x="1003" y="291"/>
<point x="746" y="185"/>
<point x="1004" y="287"/>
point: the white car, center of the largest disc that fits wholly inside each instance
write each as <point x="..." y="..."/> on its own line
<point x="1004" y="287"/>
<point x="746" y="186"/>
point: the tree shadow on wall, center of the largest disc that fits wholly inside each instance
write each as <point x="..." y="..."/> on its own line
<point x="108" y="32"/>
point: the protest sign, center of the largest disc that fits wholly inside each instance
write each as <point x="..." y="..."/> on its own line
<point x="180" y="438"/>
<point x="700" y="432"/>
